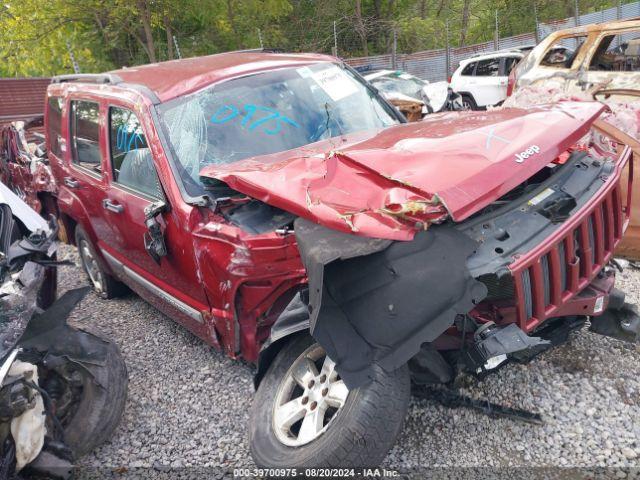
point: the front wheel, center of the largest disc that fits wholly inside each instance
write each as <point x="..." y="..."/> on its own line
<point x="303" y="415"/>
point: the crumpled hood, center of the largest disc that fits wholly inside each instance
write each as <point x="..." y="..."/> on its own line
<point x="388" y="183"/>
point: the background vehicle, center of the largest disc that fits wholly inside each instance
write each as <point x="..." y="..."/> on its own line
<point x="482" y="80"/>
<point x="62" y="390"/>
<point x="396" y="85"/>
<point x="443" y="98"/>
<point x="24" y="166"/>
<point x="277" y="206"/>
<point x="604" y="64"/>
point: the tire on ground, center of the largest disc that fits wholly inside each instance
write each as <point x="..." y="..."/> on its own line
<point x="104" y="394"/>
<point x="111" y="288"/>
<point x="360" y="435"/>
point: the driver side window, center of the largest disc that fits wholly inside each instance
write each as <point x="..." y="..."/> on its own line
<point x="131" y="159"/>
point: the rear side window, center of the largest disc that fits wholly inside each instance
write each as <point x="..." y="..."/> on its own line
<point x="468" y="70"/>
<point x="131" y="158"/>
<point x="617" y="53"/>
<point x="54" y="125"/>
<point x="85" y="131"/>
<point x="488" y="68"/>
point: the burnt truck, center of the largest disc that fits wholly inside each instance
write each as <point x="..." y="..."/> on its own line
<point x="279" y="208"/>
<point x="602" y="63"/>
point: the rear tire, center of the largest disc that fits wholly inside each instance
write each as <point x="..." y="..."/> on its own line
<point x="103" y="284"/>
<point x="360" y="432"/>
<point x="468" y="103"/>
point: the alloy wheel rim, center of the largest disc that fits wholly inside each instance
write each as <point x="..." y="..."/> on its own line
<point x="309" y="398"/>
<point x="91" y="265"/>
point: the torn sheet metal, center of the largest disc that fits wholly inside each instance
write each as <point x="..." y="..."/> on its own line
<point x="391" y="183"/>
<point x="374" y="303"/>
<point x="623" y="111"/>
<point x="21" y="166"/>
<point x="18" y="303"/>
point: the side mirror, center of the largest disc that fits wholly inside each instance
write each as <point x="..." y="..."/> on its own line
<point x="153" y="237"/>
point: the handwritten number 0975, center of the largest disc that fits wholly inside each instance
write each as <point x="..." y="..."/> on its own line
<point x="226" y="113"/>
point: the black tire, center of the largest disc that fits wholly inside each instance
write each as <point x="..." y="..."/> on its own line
<point x="468" y="102"/>
<point x="104" y="285"/>
<point x="104" y="394"/>
<point x="360" y="435"/>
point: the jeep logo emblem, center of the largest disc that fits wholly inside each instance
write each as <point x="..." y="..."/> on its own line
<point x="522" y="156"/>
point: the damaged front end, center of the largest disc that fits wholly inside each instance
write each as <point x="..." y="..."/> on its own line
<point x="454" y="243"/>
<point x="505" y="284"/>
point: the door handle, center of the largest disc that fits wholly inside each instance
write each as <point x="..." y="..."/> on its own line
<point x="71" y="182"/>
<point x="112" y="207"/>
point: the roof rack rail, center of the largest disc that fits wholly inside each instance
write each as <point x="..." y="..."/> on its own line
<point x="496" y="52"/>
<point x="257" y="50"/>
<point x="88" y="78"/>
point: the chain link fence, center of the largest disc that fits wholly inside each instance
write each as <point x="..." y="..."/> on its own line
<point x="437" y="65"/>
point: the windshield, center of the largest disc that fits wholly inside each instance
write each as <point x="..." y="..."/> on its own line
<point x="267" y="113"/>
<point x="404" y="83"/>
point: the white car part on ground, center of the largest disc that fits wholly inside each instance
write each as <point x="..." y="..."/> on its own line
<point x="28" y="430"/>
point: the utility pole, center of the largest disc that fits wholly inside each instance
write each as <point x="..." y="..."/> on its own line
<point x="619" y="16"/>
<point x="260" y="38"/>
<point x="535" y="18"/>
<point x="619" y="11"/>
<point x="335" y="40"/>
<point x="76" y="67"/>
<point x="394" y="50"/>
<point x="577" y="12"/>
<point x="175" y="43"/>
<point x="496" y="39"/>
<point x="447" y="54"/>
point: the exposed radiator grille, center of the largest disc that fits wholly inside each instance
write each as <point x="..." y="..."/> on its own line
<point x="498" y="288"/>
<point x="568" y="265"/>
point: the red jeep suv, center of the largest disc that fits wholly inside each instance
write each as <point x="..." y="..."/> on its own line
<point x="278" y="207"/>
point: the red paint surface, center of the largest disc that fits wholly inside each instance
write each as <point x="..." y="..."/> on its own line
<point x="466" y="160"/>
<point x="179" y="77"/>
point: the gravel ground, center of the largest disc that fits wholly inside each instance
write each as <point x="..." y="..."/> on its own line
<point x="188" y="404"/>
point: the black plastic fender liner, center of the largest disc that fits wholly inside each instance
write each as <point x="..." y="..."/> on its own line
<point x="375" y="301"/>
<point x="294" y="319"/>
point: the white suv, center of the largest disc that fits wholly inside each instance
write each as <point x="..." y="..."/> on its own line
<point x="482" y="80"/>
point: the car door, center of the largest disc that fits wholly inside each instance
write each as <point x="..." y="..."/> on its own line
<point x="83" y="184"/>
<point x="463" y="80"/>
<point x="488" y="78"/>
<point x="133" y="186"/>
